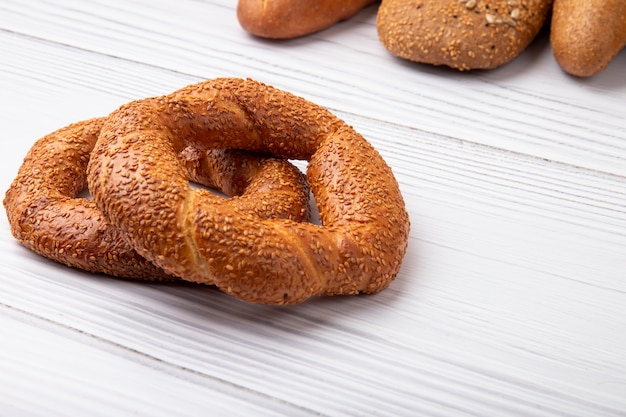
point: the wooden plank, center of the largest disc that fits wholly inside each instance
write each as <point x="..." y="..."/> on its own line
<point x="529" y="106"/>
<point x="511" y="297"/>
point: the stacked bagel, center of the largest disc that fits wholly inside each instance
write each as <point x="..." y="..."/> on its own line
<point x="146" y="221"/>
<point x="462" y="34"/>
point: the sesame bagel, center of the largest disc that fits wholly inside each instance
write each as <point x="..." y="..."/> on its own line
<point x="462" y="34"/>
<point x="47" y="217"/>
<point x="364" y="227"/>
<point x="586" y="35"/>
<point x="283" y="19"/>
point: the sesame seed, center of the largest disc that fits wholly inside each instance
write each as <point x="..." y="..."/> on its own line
<point x="510" y="21"/>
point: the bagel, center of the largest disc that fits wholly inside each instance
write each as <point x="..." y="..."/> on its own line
<point x="462" y="34"/>
<point x="46" y="216"/>
<point x="362" y="239"/>
<point x="586" y="35"/>
<point x="284" y="19"/>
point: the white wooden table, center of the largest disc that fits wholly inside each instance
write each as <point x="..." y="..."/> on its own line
<point x="511" y="300"/>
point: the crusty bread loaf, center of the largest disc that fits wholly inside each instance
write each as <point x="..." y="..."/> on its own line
<point x="284" y="19"/>
<point x="587" y="34"/>
<point x="462" y="34"/>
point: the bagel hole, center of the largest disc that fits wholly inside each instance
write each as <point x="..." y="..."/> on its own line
<point x="315" y="214"/>
<point x="84" y="193"/>
<point x="196" y="186"/>
<point x="300" y="164"/>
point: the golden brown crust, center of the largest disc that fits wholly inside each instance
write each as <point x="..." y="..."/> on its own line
<point x="284" y="19"/>
<point x="47" y="217"/>
<point x="364" y="232"/>
<point x="587" y="34"/>
<point x="462" y="34"/>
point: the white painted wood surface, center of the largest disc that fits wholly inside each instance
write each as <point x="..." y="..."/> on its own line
<point x="512" y="297"/>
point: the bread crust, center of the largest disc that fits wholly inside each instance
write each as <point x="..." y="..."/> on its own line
<point x="284" y="19"/>
<point x="586" y="35"/>
<point x="462" y="34"/>
<point x="364" y="233"/>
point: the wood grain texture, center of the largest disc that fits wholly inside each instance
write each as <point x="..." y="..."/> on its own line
<point x="511" y="298"/>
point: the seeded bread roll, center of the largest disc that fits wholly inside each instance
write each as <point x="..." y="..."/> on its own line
<point x="462" y="34"/>
<point x="284" y="19"/>
<point x="587" y="34"/>
<point x="357" y="248"/>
